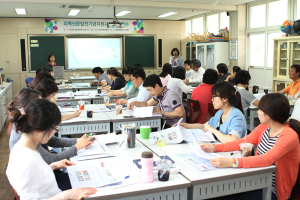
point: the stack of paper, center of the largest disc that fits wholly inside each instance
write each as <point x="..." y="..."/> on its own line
<point x="75" y="119"/>
<point x="143" y="112"/>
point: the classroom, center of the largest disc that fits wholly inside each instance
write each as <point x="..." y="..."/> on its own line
<point x="150" y="99"/>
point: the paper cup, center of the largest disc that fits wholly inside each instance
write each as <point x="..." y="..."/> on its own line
<point x="119" y="109"/>
<point x="145" y="132"/>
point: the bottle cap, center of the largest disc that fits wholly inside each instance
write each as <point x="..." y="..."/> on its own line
<point x="147" y="154"/>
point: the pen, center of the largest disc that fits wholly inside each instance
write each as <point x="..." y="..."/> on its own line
<point x="179" y="122"/>
<point x="233" y="152"/>
<point x="89" y="135"/>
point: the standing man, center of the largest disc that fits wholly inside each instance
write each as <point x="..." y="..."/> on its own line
<point x="171" y="107"/>
<point x="101" y="76"/>
<point x="198" y="72"/>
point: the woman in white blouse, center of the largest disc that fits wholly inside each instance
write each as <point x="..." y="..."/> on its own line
<point x="27" y="172"/>
<point x="176" y="83"/>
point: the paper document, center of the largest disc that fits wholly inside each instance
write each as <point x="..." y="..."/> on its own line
<point x="92" y="174"/>
<point x="200" y="163"/>
<point x="259" y="96"/>
<point x="199" y="135"/>
<point x="94" y="149"/>
<point x="63" y="110"/>
<point x="200" y="153"/>
<point x="75" y="119"/>
<point x="65" y="95"/>
<point x="132" y="113"/>
<point x="100" y="109"/>
<point x="143" y="111"/>
<point x="108" y="138"/>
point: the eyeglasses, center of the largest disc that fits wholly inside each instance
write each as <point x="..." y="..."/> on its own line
<point x="133" y="79"/>
<point x="213" y="96"/>
<point x="56" y="129"/>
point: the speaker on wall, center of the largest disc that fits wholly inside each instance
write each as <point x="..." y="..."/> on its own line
<point x="159" y="52"/>
<point x="23" y="56"/>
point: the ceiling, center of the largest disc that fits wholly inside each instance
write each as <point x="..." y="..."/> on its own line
<point x="141" y="9"/>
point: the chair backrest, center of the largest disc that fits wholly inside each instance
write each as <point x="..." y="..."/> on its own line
<point x="28" y="80"/>
<point x="188" y="114"/>
<point x="295" y="195"/>
<point x="195" y="105"/>
<point x="255" y="89"/>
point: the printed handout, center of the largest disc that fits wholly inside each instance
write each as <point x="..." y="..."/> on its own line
<point x="200" y="163"/>
<point x="200" y="153"/>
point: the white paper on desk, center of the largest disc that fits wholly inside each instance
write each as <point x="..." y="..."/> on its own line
<point x="82" y="93"/>
<point x="199" y="135"/>
<point x="92" y="174"/>
<point x="94" y="149"/>
<point x="62" y="110"/>
<point x="100" y="109"/>
<point x="200" y="153"/>
<point x="75" y="119"/>
<point x="199" y="163"/>
<point x="108" y="138"/>
<point x="65" y="95"/>
<point x="259" y="96"/>
<point x="143" y="111"/>
<point x="171" y="135"/>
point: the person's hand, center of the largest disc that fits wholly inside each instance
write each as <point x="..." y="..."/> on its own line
<point x="110" y="94"/>
<point x="209" y="128"/>
<point x="184" y="125"/>
<point x="221" y="162"/>
<point x="130" y="105"/>
<point x="76" y="113"/>
<point x="83" y="142"/>
<point x="61" y="164"/>
<point x="187" y="80"/>
<point x="157" y="110"/>
<point x="209" y="148"/>
<point x="77" y="193"/>
<point x="107" y="89"/>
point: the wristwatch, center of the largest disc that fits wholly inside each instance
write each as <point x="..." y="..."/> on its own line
<point x="162" y="113"/>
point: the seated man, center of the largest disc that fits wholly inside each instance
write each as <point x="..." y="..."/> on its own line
<point x="198" y="72"/>
<point x="138" y="76"/>
<point x="294" y="87"/>
<point x="101" y="76"/>
<point x="171" y="107"/>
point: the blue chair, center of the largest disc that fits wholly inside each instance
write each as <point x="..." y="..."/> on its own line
<point x="28" y="80"/>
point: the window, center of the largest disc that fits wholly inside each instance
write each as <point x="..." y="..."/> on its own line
<point x="258" y="16"/>
<point x="188" y="28"/>
<point x="257" y="50"/>
<point x="298" y="9"/>
<point x="224" y="20"/>
<point x="270" y="49"/>
<point x="277" y="12"/>
<point x="213" y="24"/>
<point x="197" y="25"/>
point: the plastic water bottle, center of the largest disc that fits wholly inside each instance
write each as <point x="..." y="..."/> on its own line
<point x="147" y="167"/>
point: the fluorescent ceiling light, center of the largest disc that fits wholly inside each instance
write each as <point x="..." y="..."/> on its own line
<point x="122" y="13"/>
<point x="73" y="12"/>
<point x="168" y="14"/>
<point x="20" y="11"/>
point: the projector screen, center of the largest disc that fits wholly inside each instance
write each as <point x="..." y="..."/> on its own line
<point x="93" y="52"/>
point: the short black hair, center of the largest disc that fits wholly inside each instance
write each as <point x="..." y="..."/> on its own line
<point x="126" y="70"/>
<point x="152" y="80"/>
<point x="46" y="87"/>
<point x="222" y="68"/>
<point x="296" y="67"/>
<point x="236" y="69"/>
<point x="210" y="77"/>
<point x="174" y="49"/>
<point x="188" y="62"/>
<point x="47" y="68"/>
<point x="98" y="70"/>
<point x="179" y="72"/>
<point x="50" y="57"/>
<point x="138" y="72"/>
<point x="196" y="63"/>
<point x="38" y="71"/>
<point x="242" y="77"/>
<point x="138" y="65"/>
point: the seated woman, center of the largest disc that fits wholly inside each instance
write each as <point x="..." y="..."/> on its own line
<point x="116" y="77"/>
<point x="176" y="83"/>
<point x="202" y="93"/>
<point x="223" y="72"/>
<point x="27" y="172"/>
<point x="166" y="73"/>
<point x="129" y="91"/>
<point x="231" y="78"/>
<point x="48" y="89"/>
<point x="278" y="144"/>
<point x="229" y="123"/>
<point x="242" y="82"/>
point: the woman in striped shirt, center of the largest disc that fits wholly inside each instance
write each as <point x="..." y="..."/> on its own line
<point x="278" y="144"/>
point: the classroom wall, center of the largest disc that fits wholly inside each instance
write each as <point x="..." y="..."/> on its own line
<point x="14" y="29"/>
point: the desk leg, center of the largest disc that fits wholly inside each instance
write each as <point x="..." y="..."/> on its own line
<point x="251" y="121"/>
<point x="267" y="192"/>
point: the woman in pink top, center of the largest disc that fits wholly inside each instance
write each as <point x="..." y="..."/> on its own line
<point x="277" y="144"/>
<point x="166" y="74"/>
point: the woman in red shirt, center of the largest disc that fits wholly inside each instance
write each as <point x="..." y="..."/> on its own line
<point x="202" y="93"/>
<point x="277" y="144"/>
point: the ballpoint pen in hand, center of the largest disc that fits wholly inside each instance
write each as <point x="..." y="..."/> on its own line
<point x="179" y="122"/>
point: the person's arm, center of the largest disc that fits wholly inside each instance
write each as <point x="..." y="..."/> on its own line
<point x="177" y="113"/>
<point x="222" y="137"/>
<point x="256" y="102"/>
<point x="51" y="157"/>
<point x="120" y="94"/>
<point x="70" y="116"/>
<point x="285" y="90"/>
<point x="76" y="193"/>
<point x="281" y="92"/>
<point x="150" y="102"/>
<point x="195" y="77"/>
<point x="103" y="83"/>
<point x="61" y="142"/>
<point x="192" y="126"/>
<point x="184" y="88"/>
<point x="171" y="60"/>
<point x="228" y="77"/>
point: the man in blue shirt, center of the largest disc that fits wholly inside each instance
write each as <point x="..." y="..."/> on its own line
<point x="101" y="76"/>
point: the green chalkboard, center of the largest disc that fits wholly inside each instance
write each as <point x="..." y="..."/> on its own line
<point x="46" y="45"/>
<point x="139" y="49"/>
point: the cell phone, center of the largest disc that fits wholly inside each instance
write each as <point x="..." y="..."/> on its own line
<point x="128" y="116"/>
